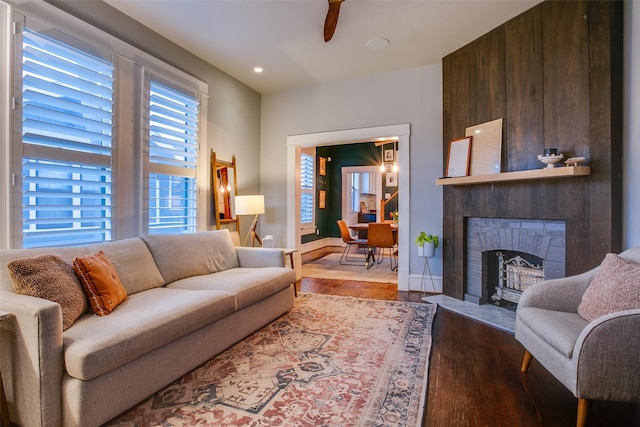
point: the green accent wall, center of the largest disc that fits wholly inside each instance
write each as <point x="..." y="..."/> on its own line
<point x="360" y="154"/>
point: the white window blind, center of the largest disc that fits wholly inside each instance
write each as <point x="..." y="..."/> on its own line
<point x="307" y="190"/>
<point x="67" y="120"/>
<point x="173" y="153"/>
<point x="355" y="192"/>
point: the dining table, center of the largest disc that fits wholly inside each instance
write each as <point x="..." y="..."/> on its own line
<point x="364" y="225"/>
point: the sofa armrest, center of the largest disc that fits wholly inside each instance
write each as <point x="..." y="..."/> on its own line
<point x="260" y="257"/>
<point x="607" y="357"/>
<point x="562" y="294"/>
<point x="31" y="359"/>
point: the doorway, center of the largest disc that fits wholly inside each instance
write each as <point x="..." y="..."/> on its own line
<point x="399" y="132"/>
<point x="361" y="190"/>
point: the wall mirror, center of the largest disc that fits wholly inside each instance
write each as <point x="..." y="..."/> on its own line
<point x="225" y="186"/>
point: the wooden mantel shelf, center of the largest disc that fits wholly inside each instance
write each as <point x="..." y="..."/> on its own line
<point x="528" y="175"/>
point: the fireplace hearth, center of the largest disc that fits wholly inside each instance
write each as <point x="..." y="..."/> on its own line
<point x="536" y="248"/>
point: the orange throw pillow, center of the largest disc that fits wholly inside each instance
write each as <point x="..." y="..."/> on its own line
<point x="100" y="283"/>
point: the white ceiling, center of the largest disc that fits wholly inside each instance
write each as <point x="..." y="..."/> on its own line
<point x="286" y="36"/>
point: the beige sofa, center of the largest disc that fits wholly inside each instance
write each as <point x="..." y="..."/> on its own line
<point x="189" y="298"/>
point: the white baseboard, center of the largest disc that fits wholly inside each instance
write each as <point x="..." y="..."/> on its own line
<point x="321" y="243"/>
<point x="427" y="286"/>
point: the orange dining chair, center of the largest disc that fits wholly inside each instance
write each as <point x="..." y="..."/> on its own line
<point x="350" y="241"/>
<point x="380" y="236"/>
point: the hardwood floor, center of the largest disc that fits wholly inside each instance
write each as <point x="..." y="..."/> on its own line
<point x="474" y="372"/>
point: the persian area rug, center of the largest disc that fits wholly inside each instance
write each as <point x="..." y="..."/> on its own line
<point x="330" y="361"/>
<point x="329" y="267"/>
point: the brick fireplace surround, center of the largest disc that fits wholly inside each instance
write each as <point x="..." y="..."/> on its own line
<point x="541" y="238"/>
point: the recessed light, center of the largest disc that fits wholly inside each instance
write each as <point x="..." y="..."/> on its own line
<point x="377" y="44"/>
<point x="258" y="69"/>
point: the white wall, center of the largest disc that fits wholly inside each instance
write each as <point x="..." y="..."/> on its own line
<point x="412" y="96"/>
<point x="631" y="147"/>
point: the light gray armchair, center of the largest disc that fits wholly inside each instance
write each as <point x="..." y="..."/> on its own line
<point x="597" y="360"/>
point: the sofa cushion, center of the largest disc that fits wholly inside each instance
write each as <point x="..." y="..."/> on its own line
<point x="100" y="282"/>
<point x="616" y="287"/>
<point x="184" y="255"/>
<point x="248" y="285"/>
<point x="133" y="262"/>
<point x="52" y="278"/>
<point x="144" y="322"/>
<point x="8" y="255"/>
<point x="558" y="328"/>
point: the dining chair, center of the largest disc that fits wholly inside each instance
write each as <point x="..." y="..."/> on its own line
<point x="350" y="241"/>
<point x="380" y="236"/>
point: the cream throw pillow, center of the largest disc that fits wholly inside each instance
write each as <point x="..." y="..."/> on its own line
<point x="616" y="287"/>
<point x="52" y="278"/>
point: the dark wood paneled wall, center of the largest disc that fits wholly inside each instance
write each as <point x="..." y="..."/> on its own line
<point x="554" y="74"/>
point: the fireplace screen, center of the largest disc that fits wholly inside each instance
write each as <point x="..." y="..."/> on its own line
<point x="514" y="276"/>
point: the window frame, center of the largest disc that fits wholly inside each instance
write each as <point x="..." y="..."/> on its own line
<point x="159" y="168"/>
<point x="128" y="171"/>
<point x="308" y="227"/>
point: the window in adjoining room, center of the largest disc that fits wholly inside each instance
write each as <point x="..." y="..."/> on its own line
<point x="307" y="192"/>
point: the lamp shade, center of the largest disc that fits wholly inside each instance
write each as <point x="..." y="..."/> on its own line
<point x="249" y="205"/>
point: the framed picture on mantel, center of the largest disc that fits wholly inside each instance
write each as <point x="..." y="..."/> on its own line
<point x="458" y="158"/>
<point x="487" y="148"/>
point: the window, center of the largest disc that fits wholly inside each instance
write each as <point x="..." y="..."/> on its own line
<point x="106" y="138"/>
<point x="307" y="192"/>
<point x="173" y="152"/>
<point x="67" y="120"/>
<point x="354" y="192"/>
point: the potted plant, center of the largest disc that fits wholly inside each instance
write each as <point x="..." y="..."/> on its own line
<point x="427" y="244"/>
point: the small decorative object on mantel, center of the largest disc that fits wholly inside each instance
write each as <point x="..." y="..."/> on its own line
<point x="574" y="161"/>
<point x="551" y="159"/>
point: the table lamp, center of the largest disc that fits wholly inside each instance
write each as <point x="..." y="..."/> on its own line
<point x="250" y="205"/>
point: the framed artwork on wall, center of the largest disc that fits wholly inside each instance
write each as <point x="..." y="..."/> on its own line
<point x="392" y="179"/>
<point x="322" y="199"/>
<point x="322" y="166"/>
<point x="388" y="155"/>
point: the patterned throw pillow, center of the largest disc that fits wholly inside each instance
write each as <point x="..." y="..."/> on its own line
<point x="616" y="287"/>
<point x="100" y="282"/>
<point x="52" y="278"/>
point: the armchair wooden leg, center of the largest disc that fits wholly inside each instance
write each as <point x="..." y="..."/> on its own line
<point x="526" y="361"/>
<point x="583" y="408"/>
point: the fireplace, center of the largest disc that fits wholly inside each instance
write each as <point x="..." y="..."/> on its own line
<point x="505" y="255"/>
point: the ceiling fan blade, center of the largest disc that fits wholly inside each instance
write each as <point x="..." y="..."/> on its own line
<point x="331" y="20"/>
